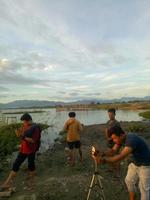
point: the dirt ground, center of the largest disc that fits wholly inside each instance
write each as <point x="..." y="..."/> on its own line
<point x="55" y="180"/>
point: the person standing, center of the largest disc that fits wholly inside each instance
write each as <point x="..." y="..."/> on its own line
<point x="73" y="128"/>
<point x="29" y="135"/>
<point x="111" y="122"/>
<point x="115" y="167"/>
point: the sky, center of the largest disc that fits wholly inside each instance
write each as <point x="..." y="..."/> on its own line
<point x="68" y="50"/>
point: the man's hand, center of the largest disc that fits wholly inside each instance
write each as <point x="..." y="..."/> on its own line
<point x="19" y="132"/>
<point x="98" y="157"/>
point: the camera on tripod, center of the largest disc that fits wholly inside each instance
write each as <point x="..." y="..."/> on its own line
<point x="96" y="178"/>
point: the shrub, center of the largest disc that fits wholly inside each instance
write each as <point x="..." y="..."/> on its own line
<point x="8" y="140"/>
<point x="145" y="115"/>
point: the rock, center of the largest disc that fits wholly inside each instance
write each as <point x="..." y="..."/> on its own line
<point x="66" y="190"/>
<point x="33" y="197"/>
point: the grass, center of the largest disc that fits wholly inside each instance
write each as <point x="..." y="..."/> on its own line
<point x="145" y="115"/>
<point x="136" y="127"/>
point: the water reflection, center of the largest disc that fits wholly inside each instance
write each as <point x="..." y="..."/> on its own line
<point x="56" y="120"/>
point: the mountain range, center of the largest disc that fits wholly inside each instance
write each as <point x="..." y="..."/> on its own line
<point x="41" y="104"/>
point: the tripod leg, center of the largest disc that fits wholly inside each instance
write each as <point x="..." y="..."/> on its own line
<point x="91" y="184"/>
<point x="101" y="188"/>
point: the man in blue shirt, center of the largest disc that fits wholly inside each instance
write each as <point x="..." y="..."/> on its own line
<point x="139" y="168"/>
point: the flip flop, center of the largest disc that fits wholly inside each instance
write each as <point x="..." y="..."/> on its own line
<point x="7" y="188"/>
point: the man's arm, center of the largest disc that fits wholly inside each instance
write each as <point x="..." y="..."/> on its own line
<point x="35" y="136"/>
<point x="29" y="140"/>
<point x="123" y="154"/>
<point x="19" y="132"/>
<point x="80" y="127"/>
<point x="106" y="134"/>
<point x="112" y="151"/>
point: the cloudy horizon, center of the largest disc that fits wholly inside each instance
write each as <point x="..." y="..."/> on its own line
<point x="70" y="50"/>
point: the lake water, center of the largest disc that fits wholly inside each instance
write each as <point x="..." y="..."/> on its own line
<point x="57" y="119"/>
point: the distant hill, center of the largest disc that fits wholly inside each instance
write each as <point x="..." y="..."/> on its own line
<point x="121" y="100"/>
<point x="29" y="104"/>
<point x="42" y="104"/>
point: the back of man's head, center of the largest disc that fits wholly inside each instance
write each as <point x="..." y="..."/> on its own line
<point x="26" y="117"/>
<point x="116" y="130"/>
<point x="112" y="110"/>
<point x="72" y="114"/>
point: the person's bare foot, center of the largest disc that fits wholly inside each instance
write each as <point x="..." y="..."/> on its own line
<point x="4" y="187"/>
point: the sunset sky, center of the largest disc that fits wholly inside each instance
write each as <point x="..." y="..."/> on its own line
<point x="67" y="50"/>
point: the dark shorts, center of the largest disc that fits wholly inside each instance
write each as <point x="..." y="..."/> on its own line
<point x="73" y="145"/>
<point x="21" y="158"/>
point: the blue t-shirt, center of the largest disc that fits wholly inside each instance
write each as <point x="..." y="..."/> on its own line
<point x="141" y="151"/>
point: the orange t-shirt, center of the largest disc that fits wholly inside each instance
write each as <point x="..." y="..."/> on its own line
<point x="73" y="128"/>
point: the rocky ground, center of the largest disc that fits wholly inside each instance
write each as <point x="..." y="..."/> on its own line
<point x="55" y="180"/>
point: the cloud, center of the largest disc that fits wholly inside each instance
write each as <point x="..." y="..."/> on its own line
<point x="3" y="89"/>
<point x="74" y="49"/>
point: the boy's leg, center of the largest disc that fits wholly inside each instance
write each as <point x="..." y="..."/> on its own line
<point x="19" y="160"/>
<point x="144" y="182"/>
<point x="81" y="155"/>
<point x="78" y="146"/>
<point x="72" y="153"/>
<point x="9" y="181"/>
<point x="67" y="154"/>
<point x="132" y="195"/>
<point x="131" y="180"/>
<point x="31" y="168"/>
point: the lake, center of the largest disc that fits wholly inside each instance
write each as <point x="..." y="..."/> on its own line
<point x="57" y="119"/>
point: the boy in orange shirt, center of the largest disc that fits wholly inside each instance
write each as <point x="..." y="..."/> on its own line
<point x="73" y="128"/>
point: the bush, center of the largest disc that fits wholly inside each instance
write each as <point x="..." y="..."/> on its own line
<point x="145" y="115"/>
<point x="63" y="135"/>
<point x="8" y="140"/>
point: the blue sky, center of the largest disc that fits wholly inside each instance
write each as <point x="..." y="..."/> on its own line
<point x="74" y="49"/>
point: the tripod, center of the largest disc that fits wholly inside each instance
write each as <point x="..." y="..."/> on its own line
<point x="96" y="181"/>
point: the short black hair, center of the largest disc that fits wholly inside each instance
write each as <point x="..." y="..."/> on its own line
<point x="26" y="117"/>
<point x="116" y="130"/>
<point x="112" y="110"/>
<point x="72" y="114"/>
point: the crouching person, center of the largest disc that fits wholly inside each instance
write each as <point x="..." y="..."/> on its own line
<point x="139" y="168"/>
<point x="29" y="134"/>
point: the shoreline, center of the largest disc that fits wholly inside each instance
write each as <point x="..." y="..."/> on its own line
<point x="135" y="105"/>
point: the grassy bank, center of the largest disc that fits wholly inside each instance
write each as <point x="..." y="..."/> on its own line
<point x="105" y="106"/>
<point x="126" y="106"/>
<point x="145" y="115"/>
